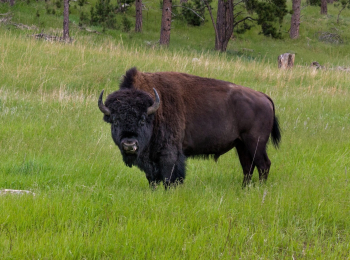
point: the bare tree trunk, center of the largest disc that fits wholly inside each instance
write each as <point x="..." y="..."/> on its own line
<point x="66" y="20"/>
<point x="295" y="22"/>
<point x="224" y="24"/>
<point x="212" y="19"/>
<point x="166" y="23"/>
<point x="340" y="13"/>
<point x="12" y="2"/>
<point x="138" y="24"/>
<point x="324" y="7"/>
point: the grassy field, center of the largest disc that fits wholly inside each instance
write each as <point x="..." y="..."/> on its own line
<point x="89" y="205"/>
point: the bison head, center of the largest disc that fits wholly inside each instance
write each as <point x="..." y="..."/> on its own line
<point x="131" y="114"/>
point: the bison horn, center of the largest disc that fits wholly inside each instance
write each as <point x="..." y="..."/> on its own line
<point x="102" y="107"/>
<point x="155" y="105"/>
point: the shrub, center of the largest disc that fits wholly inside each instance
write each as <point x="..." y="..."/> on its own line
<point x="192" y="6"/>
<point x="126" y="24"/>
<point x="103" y="15"/>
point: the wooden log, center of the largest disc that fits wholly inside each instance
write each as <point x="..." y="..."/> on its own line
<point x="286" y="61"/>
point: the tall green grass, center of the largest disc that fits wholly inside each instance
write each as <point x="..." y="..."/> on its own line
<point x="89" y="205"/>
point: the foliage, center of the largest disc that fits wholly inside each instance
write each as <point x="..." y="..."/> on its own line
<point x="124" y="5"/>
<point x="58" y="4"/>
<point x="192" y="6"/>
<point x="242" y="27"/>
<point x="81" y="3"/>
<point x="126" y="23"/>
<point x="314" y="2"/>
<point x="268" y="14"/>
<point x="102" y="14"/>
<point x="341" y="6"/>
<point x="83" y="19"/>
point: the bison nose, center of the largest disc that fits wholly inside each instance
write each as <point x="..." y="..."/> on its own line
<point x="130" y="146"/>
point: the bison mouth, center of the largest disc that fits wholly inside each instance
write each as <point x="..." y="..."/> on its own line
<point x="130" y="147"/>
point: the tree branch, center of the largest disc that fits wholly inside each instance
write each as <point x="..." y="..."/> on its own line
<point x="234" y="5"/>
<point x="234" y="17"/>
<point x="248" y="17"/>
<point x="190" y="10"/>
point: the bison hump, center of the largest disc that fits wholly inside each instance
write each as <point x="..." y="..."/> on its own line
<point x="128" y="80"/>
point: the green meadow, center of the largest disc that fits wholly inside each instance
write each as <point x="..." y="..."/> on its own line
<point x="89" y="205"/>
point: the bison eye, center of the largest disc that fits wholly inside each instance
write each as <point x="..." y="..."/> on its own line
<point x="142" y="121"/>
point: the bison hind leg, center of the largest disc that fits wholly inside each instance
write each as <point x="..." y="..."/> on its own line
<point x="246" y="162"/>
<point x="252" y="153"/>
<point x="264" y="167"/>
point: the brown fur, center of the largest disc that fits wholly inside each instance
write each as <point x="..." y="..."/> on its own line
<point x="208" y="117"/>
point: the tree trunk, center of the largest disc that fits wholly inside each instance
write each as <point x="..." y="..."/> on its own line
<point x="12" y="2"/>
<point x="138" y="24"/>
<point x="330" y="1"/>
<point x="166" y="23"/>
<point x="324" y="7"/>
<point x="224" y="24"/>
<point x="66" y="20"/>
<point x="295" y="22"/>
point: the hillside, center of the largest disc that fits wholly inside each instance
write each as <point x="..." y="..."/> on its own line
<point x="250" y="45"/>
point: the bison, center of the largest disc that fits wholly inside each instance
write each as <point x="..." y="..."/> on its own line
<point x="160" y="119"/>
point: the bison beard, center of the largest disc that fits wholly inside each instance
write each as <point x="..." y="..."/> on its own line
<point x="159" y="119"/>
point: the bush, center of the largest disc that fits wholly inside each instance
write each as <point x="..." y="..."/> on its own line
<point x="269" y="14"/>
<point x="126" y="24"/>
<point x="314" y="2"/>
<point x="192" y="6"/>
<point x="83" y="19"/>
<point x="58" y="4"/>
<point x="103" y="15"/>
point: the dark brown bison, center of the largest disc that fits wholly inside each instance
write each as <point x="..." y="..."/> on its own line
<point x="160" y="119"/>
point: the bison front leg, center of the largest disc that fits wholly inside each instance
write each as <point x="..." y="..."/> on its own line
<point x="173" y="171"/>
<point x="153" y="184"/>
<point x="153" y="176"/>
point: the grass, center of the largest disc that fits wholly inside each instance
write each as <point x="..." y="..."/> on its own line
<point x="89" y="205"/>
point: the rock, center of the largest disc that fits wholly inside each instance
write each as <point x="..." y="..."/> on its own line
<point x="9" y="191"/>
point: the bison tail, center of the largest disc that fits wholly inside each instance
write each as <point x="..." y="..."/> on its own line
<point x="276" y="132"/>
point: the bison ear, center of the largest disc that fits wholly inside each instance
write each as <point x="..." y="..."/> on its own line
<point x="152" y="109"/>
